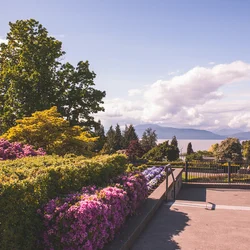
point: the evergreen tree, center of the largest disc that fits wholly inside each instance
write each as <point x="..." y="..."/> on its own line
<point x="99" y="131"/>
<point x="129" y="135"/>
<point x="174" y="142"/>
<point x="190" y="149"/>
<point x="118" y="138"/>
<point x="109" y="146"/>
<point x="149" y="139"/>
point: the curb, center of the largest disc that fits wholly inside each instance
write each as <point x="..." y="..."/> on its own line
<point x="136" y="224"/>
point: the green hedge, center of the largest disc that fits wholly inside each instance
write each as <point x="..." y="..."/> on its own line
<point x="26" y="184"/>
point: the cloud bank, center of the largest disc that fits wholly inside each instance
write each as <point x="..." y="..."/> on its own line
<point x="193" y="99"/>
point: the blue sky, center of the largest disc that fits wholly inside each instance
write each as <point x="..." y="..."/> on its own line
<point x="131" y="45"/>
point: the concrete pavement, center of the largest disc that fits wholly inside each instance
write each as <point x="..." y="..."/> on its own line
<point x="200" y="219"/>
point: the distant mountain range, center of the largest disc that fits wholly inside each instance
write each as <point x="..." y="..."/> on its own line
<point x="187" y="133"/>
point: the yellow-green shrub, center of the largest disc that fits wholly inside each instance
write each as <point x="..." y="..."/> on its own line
<point x="48" y="130"/>
<point x="43" y="178"/>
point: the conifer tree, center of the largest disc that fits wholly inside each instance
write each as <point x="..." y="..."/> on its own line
<point x="129" y="135"/>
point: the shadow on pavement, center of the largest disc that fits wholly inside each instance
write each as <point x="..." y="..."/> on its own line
<point x="193" y="194"/>
<point x="161" y="229"/>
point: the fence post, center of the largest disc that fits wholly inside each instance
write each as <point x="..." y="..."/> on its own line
<point x="166" y="194"/>
<point x="186" y="171"/>
<point x="229" y="172"/>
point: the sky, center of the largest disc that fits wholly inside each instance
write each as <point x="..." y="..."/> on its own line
<point x="174" y="63"/>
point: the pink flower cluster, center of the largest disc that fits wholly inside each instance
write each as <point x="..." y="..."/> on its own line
<point x="13" y="150"/>
<point x="89" y="219"/>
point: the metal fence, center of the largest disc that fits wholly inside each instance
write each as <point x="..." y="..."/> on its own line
<point x="217" y="172"/>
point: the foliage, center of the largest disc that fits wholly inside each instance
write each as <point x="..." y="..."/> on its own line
<point x="100" y="133"/>
<point x="162" y="151"/>
<point x="11" y="151"/>
<point x="149" y="139"/>
<point x="48" y="130"/>
<point x="230" y="149"/>
<point x="129" y="135"/>
<point x="190" y="149"/>
<point x="118" y="138"/>
<point x="109" y="146"/>
<point x="198" y="156"/>
<point x="174" y="142"/>
<point x="79" y="99"/>
<point x="89" y="219"/>
<point x="28" y="183"/>
<point x="32" y="78"/>
<point x="246" y="149"/>
<point x="134" y="150"/>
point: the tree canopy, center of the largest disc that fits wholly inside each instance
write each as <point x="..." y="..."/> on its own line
<point x="149" y="139"/>
<point x="33" y="78"/>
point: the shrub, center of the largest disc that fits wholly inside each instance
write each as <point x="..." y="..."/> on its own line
<point x="15" y="150"/>
<point x="28" y="183"/>
<point x="48" y="130"/>
<point x="89" y="219"/>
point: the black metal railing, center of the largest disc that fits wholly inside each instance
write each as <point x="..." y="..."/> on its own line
<point x="217" y="172"/>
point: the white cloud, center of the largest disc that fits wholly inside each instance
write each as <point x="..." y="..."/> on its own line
<point x="173" y="73"/>
<point x="211" y="63"/>
<point x="134" y="92"/>
<point x="241" y="120"/>
<point x="192" y="99"/>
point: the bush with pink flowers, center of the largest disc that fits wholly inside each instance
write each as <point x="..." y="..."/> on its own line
<point x="13" y="150"/>
<point x="89" y="219"/>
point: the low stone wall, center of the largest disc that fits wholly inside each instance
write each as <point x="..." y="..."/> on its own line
<point x="135" y="225"/>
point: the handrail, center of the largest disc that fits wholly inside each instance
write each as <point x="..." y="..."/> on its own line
<point x="167" y="168"/>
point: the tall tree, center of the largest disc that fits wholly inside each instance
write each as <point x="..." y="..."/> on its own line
<point x="28" y="65"/>
<point x="100" y="133"/>
<point x="118" y="137"/>
<point x="32" y="78"/>
<point x="109" y="146"/>
<point x="79" y="99"/>
<point x="190" y="149"/>
<point x="174" y="142"/>
<point x="149" y="139"/>
<point x="129" y="135"/>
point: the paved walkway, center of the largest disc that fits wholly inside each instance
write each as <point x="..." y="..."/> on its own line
<point x="200" y="219"/>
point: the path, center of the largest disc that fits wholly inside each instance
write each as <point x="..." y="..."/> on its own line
<point x="200" y="219"/>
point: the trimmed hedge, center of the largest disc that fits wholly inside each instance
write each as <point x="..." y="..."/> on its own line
<point x="26" y="184"/>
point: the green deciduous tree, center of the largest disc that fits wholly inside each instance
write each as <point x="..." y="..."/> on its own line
<point x="48" y="130"/>
<point x="149" y="139"/>
<point x="162" y="151"/>
<point x="230" y="149"/>
<point x="32" y="78"/>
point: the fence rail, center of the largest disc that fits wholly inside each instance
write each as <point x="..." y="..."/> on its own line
<point x="211" y="172"/>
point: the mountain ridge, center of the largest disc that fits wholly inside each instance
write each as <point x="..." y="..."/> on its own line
<point x="187" y="133"/>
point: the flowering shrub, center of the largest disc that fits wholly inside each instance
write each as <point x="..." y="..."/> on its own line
<point x="154" y="176"/>
<point x="13" y="150"/>
<point x="89" y="219"/>
<point x="28" y="183"/>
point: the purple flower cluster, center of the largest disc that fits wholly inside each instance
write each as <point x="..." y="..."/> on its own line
<point x="13" y="150"/>
<point x="90" y="218"/>
<point x="154" y="176"/>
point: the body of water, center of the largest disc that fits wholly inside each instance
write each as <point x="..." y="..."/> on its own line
<point x="196" y="144"/>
